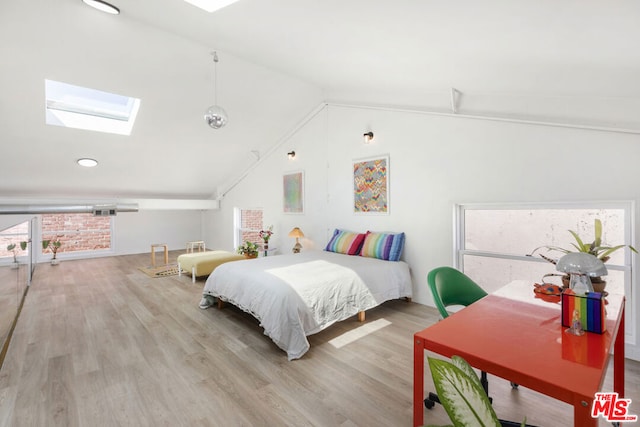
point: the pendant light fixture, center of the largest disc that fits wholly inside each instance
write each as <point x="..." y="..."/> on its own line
<point x="215" y="116"/>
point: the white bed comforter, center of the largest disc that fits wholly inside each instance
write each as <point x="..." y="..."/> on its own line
<point x="301" y="294"/>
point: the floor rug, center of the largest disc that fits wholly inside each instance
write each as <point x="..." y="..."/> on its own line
<point x="161" y="271"/>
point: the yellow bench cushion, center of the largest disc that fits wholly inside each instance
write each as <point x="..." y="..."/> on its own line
<point x="203" y="263"/>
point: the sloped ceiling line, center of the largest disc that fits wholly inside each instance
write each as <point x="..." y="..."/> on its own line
<point x="487" y="117"/>
<point x="310" y="116"/>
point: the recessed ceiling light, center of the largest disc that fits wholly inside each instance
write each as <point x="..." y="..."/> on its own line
<point x="211" y="5"/>
<point x="103" y="6"/>
<point x="87" y="163"/>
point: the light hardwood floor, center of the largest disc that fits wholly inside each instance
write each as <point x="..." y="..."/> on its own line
<point x="99" y="343"/>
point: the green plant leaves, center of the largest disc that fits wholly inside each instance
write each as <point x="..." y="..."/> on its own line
<point x="461" y="393"/>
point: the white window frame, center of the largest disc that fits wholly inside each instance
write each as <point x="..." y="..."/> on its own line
<point x="78" y="107"/>
<point x="632" y="298"/>
<point x="237" y="224"/>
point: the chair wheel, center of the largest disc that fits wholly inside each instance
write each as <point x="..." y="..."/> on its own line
<point x="429" y="404"/>
<point x="514" y="385"/>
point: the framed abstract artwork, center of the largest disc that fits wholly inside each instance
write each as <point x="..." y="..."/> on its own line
<point x="293" y="192"/>
<point x="371" y="185"/>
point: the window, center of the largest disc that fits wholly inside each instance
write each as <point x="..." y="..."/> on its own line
<point x="492" y="243"/>
<point x="13" y="236"/>
<point x="247" y="225"/>
<point x="77" y="232"/>
<point x="90" y="109"/>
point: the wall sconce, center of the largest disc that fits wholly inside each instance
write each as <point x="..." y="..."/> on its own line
<point x="368" y="137"/>
<point x="292" y="155"/>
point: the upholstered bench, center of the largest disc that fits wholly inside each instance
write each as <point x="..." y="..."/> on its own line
<point x="203" y="263"/>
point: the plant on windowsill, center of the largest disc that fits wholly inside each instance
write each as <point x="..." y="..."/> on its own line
<point x="595" y="248"/>
<point x="248" y="249"/>
<point x="13" y="248"/>
<point x="53" y="245"/>
<point x="461" y="393"/>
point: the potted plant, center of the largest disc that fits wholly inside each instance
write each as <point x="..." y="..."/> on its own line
<point x="461" y="393"/>
<point x="595" y="248"/>
<point x="53" y="245"/>
<point x="12" y="247"/>
<point x="248" y="249"/>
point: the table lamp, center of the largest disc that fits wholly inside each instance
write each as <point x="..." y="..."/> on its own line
<point x="297" y="233"/>
<point x="581" y="266"/>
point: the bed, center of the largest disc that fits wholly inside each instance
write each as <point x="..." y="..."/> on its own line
<point x="294" y="296"/>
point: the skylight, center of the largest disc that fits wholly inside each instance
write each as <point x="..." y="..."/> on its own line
<point x="90" y="109"/>
<point x="211" y="5"/>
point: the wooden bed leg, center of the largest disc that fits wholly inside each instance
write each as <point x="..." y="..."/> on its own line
<point x="220" y="303"/>
<point x="361" y="316"/>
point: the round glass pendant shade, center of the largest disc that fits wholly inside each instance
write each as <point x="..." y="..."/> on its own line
<point x="215" y="117"/>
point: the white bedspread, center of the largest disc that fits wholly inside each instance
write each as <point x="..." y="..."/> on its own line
<point x="301" y="294"/>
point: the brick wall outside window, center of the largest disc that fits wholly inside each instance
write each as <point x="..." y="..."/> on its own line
<point x="77" y="232"/>
<point x="250" y="225"/>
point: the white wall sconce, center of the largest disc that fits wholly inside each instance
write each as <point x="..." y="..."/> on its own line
<point x="291" y="154"/>
<point x="368" y="137"/>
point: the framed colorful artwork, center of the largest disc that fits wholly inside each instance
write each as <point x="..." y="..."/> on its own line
<point x="371" y="185"/>
<point x="293" y="192"/>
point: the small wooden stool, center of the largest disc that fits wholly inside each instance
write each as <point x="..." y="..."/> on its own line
<point x="153" y="253"/>
<point x="198" y="244"/>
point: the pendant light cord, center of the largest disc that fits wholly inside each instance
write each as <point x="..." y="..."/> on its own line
<point x="215" y="78"/>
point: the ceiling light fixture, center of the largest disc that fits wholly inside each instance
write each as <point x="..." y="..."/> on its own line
<point x="215" y="116"/>
<point x="368" y="137"/>
<point x="291" y="154"/>
<point x="87" y="162"/>
<point x="211" y="5"/>
<point x="103" y="6"/>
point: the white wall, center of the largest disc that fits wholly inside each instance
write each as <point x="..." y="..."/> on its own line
<point x="435" y="162"/>
<point x="136" y="231"/>
<point x="263" y="188"/>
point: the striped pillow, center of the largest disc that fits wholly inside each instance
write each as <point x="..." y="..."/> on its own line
<point x="345" y="242"/>
<point x="384" y="246"/>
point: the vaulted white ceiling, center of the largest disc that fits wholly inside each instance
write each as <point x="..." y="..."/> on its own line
<point x="565" y="60"/>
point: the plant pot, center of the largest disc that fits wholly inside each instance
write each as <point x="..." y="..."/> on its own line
<point x="598" y="284"/>
<point x="251" y="256"/>
<point x="55" y="261"/>
<point x="15" y="265"/>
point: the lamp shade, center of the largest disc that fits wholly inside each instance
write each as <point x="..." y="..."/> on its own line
<point x="581" y="263"/>
<point x="296" y="232"/>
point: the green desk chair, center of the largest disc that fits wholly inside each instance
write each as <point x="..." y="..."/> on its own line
<point x="451" y="287"/>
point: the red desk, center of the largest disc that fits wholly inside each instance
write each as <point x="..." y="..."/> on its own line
<point x="516" y="336"/>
